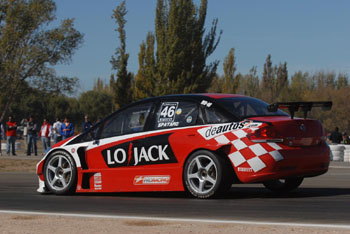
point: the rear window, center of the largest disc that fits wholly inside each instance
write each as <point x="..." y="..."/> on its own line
<point x="244" y="107"/>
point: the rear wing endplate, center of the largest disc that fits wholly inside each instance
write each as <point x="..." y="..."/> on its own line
<point x="295" y="106"/>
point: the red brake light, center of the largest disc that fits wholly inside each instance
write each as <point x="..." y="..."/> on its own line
<point x="266" y="134"/>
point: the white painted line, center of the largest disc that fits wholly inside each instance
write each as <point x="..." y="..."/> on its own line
<point x="340" y="167"/>
<point x="217" y="221"/>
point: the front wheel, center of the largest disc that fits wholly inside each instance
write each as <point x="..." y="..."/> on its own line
<point x="206" y="175"/>
<point x="283" y="185"/>
<point x="60" y="173"/>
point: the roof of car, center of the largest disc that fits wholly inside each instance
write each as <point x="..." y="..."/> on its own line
<point x="221" y="95"/>
<point x="198" y="95"/>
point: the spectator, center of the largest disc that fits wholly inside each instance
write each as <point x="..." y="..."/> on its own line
<point x="31" y="135"/>
<point x="23" y="128"/>
<point x="67" y="129"/>
<point x="57" y="131"/>
<point x="2" y="136"/>
<point x="336" y="136"/>
<point x="45" y="134"/>
<point x="86" y="124"/>
<point x="11" y="127"/>
<point x="346" y="139"/>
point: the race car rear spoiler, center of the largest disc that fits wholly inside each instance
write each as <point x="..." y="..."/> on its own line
<point x="295" y="106"/>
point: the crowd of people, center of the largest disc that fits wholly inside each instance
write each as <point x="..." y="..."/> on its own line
<point x="32" y="132"/>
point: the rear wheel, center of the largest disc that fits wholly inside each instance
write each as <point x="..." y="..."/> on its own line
<point x="60" y="173"/>
<point x="283" y="185"/>
<point x="206" y="175"/>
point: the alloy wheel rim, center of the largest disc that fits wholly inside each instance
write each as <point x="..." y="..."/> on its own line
<point x="202" y="174"/>
<point x="59" y="172"/>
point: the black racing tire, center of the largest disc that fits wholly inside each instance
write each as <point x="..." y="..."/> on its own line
<point x="60" y="173"/>
<point x="283" y="185"/>
<point x="206" y="175"/>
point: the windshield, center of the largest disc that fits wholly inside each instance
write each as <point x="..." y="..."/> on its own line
<point x="244" y="107"/>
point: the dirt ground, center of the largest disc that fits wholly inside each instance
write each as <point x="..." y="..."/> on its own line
<point x="17" y="165"/>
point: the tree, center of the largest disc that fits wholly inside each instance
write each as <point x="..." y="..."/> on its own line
<point x="182" y="47"/>
<point x="250" y="83"/>
<point x="95" y="104"/>
<point x="231" y="81"/>
<point x="281" y="82"/>
<point x="123" y="84"/>
<point x="298" y="87"/>
<point x="268" y="80"/>
<point x="145" y="81"/>
<point x="28" y="46"/>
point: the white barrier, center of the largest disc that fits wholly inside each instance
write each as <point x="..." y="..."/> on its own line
<point x="18" y="146"/>
<point x="347" y="153"/>
<point x="340" y="152"/>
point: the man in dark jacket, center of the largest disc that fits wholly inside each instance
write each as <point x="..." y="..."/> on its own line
<point x="32" y="130"/>
<point x="336" y="136"/>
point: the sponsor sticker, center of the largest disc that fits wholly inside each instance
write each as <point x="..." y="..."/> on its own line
<point x="244" y="169"/>
<point x="151" y="180"/>
<point x="218" y="129"/>
<point x="189" y="119"/>
<point x="98" y="181"/>
<point x="206" y="103"/>
<point x="156" y="150"/>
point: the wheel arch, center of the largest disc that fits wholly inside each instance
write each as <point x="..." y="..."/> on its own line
<point x="74" y="156"/>
<point x="222" y="152"/>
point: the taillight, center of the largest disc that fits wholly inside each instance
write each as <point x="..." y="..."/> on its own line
<point x="266" y="134"/>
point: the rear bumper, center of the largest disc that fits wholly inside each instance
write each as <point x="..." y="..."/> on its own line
<point x="296" y="162"/>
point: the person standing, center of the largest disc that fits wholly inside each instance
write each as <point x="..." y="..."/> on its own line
<point x="2" y="136"/>
<point x="11" y="127"/>
<point x="336" y="136"/>
<point x="67" y="129"/>
<point x="57" y="131"/>
<point x="23" y="128"/>
<point x="45" y="134"/>
<point x="31" y="135"/>
<point x="86" y="124"/>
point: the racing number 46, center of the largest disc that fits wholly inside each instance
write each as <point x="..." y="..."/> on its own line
<point x="168" y="111"/>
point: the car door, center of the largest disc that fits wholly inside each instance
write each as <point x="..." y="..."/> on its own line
<point x="173" y="116"/>
<point x="111" y="152"/>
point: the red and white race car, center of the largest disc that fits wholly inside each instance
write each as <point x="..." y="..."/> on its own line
<point x="200" y="143"/>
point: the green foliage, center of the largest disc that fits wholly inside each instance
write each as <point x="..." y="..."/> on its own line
<point x="217" y="85"/>
<point x="145" y="81"/>
<point x="231" y="81"/>
<point x="95" y="104"/>
<point x="28" y="47"/>
<point x="268" y="80"/>
<point x="182" y="48"/>
<point x="250" y="84"/>
<point x="123" y="84"/>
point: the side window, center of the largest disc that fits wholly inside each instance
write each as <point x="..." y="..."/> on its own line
<point x="135" y="118"/>
<point x="113" y="126"/>
<point x="131" y="120"/>
<point x="212" y="115"/>
<point x="176" y="114"/>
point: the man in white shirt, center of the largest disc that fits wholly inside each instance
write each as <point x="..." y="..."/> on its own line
<point x="56" y="131"/>
<point x="45" y="134"/>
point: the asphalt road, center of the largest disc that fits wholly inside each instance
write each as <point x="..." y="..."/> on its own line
<point x="324" y="199"/>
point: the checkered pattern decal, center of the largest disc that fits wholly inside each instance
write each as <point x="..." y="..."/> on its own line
<point x="249" y="154"/>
